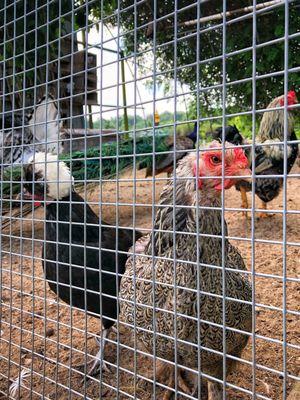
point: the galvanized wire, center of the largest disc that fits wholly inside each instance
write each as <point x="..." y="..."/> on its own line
<point x="14" y="279"/>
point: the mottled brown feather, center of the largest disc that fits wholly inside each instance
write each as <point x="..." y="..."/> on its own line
<point x="152" y="284"/>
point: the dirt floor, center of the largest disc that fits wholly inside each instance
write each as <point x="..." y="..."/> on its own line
<point x="35" y="328"/>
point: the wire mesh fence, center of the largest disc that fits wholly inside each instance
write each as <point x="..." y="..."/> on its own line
<point x="149" y="199"/>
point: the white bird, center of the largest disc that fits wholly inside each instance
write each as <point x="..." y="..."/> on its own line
<point x="37" y="131"/>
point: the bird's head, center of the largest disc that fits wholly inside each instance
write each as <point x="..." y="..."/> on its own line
<point x="231" y="135"/>
<point x="291" y="99"/>
<point x="210" y="165"/>
<point x="46" y="178"/>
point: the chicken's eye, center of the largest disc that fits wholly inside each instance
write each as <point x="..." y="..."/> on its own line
<point x="215" y="160"/>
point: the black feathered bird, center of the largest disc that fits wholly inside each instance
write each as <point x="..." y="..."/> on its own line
<point x="231" y="134"/>
<point x="165" y="162"/>
<point x="81" y="264"/>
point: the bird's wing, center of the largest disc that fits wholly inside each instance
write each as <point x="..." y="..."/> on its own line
<point x="182" y="144"/>
<point x="16" y="146"/>
<point x="45" y="125"/>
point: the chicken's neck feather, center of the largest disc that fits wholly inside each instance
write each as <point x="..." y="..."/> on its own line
<point x="209" y="223"/>
<point x="272" y="125"/>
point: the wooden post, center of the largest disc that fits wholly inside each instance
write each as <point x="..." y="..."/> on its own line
<point x="91" y="124"/>
<point x="126" y="125"/>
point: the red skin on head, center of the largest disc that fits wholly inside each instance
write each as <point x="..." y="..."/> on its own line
<point x="291" y="99"/>
<point x="240" y="157"/>
<point x="235" y="161"/>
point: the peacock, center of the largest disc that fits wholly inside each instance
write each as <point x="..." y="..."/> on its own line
<point x="165" y="162"/>
<point x="87" y="167"/>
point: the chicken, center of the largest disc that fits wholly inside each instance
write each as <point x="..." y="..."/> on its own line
<point x="76" y="270"/>
<point x="139" y="296"/>
<point x="269" y="159"/>
<point x="37" y="131"/>
<point x="269" y="156"/>
<point x="165" y="162"/>
<point x="231" y="135"/>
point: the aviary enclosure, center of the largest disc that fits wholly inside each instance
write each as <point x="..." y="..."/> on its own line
<point x="150" y="203"/>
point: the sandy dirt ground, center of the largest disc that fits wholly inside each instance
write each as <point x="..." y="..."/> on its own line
<point x="48" y="339"/>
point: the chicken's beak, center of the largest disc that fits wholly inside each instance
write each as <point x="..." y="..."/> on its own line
<point x="242" y="173"/>
<point x="38" y="200"/>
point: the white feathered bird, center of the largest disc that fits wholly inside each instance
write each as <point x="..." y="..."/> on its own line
<point x="38" y="131"/>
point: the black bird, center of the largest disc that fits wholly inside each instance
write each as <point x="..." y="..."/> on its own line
<point x="231" y="134"/>
<point x="165" y="163"/>
<point x="80" y="261"/>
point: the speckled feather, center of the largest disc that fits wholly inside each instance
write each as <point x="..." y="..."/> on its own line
<point x="37" y="131"/>
<point x="184" y="299"/>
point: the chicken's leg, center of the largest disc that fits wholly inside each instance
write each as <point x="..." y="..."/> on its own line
<point x="100" y="355"/>
<point x="263" y="214"/>
<point x="164" y="371"/>
<point x="244" y="201"/>
<point x="93" y="370"/>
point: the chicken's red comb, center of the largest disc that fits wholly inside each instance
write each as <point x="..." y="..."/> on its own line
<point x="240" y="156"/>
<point x="292" y="95"/>
<point x="291" y="98"/>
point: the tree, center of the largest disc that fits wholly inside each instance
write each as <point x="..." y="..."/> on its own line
<point x="138" y="22"/>
<point x="32" y="43"/>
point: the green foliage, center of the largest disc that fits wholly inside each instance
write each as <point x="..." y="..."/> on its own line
<point x="25" y="44"/>
<point x="9" y="186"/>
<point x="239" y="35"/>
<point x="139" y="122"/>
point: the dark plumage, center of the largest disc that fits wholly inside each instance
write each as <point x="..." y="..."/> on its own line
<point x="165" y="163"/>
<point x="269" y="158"/>
<point x="231" y="135"/>
<point x="80" y="266"/>
<point x="15" y="139"/>
<point x="150" y="308"/>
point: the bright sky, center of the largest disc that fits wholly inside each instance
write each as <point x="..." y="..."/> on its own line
<point x="110" y="78"/>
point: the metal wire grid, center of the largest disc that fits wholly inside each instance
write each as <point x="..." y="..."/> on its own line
<point x="46" y="379"/>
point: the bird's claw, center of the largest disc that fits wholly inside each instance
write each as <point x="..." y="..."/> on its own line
<point x="99" y="361"/>
<point x="94" y="370"/>
<point x="262" y="215"/>
<point x="246" y="215"/>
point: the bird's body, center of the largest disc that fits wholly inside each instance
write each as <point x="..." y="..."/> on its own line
<point x="185" y="272"/>
<point x="82" y="262"/>
<point x="267" y="189"/>
<point x="269" y="151"/>
<point x="16" y="141"/>
<point x="271" y="131"/>
<point x="231" y="135"/>
<point x="165" y="163"/>
<point x="25" y="135"/>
